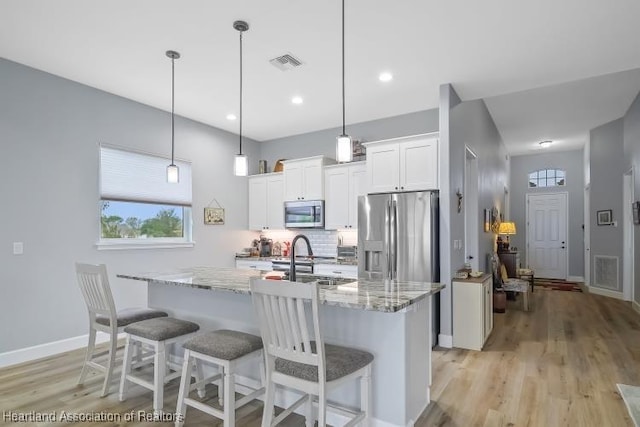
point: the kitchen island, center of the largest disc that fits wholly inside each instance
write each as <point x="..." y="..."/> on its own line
<point x="389" y="319"/>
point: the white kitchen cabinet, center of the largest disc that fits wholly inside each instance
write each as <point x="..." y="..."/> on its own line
<point x="250" y="264"/>
<point x="304" y="179"/>
<point x="472" y="312"/>
<point x="403" y="164"/>
<point x="266" y="201"/>
<point x="336" y="270"/>
<point x="343" y="184"/>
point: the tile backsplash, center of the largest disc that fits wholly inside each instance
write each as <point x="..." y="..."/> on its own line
<point x="323" y="242"/>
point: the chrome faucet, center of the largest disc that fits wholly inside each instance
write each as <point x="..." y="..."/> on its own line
<point x="292" y="267"/>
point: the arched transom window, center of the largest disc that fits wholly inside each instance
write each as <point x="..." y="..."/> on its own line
<point x="547" y="178"/>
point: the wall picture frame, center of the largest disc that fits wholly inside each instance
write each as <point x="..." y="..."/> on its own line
<point x="214" y="216"/>
<point x="604" y="217"/>
<point x="635" y="209"/>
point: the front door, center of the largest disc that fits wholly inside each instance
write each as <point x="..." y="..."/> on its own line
<point x="547" y="234"/>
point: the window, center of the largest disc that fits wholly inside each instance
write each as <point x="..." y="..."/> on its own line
<point x="547" y="178"/>
<point x="138" y="207"/>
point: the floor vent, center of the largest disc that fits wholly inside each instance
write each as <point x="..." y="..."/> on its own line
<point x="606" y="271"/>
<point x="286" y="62"/>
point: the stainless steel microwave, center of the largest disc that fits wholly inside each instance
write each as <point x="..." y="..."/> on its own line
<point x="304" y="214"/>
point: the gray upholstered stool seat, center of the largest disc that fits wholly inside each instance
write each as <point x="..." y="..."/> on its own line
<point x="224" y="344"/>
<point x="225" y="350"/>
<point x="128" y="316"/>
<point x="340" y="361"/>
<point x="161" y="328"/>
<point x="157" y="334"/>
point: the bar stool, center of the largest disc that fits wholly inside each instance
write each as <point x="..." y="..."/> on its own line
<point x="94" y="285"/>
<point x="226" y="350"/>
<point x="295" y="360"/>
<point x="158" y="334"/>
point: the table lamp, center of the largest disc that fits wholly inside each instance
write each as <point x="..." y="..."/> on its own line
<point x="506" y="228"/>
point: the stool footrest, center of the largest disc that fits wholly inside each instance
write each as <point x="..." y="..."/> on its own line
<point x="204" y="407"/>
<point x="137" y="380"/>
<point x="249" y="397"/>
<point x="284" y="414"/>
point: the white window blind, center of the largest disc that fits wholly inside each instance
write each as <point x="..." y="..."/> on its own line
<point x="136" y="177"/>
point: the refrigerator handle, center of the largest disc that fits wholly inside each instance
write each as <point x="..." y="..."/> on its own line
<point x="389" y="272"/>
<point x="395" y="240"/>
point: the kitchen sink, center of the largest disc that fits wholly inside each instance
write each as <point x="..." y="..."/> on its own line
<point x="323" y="280"/>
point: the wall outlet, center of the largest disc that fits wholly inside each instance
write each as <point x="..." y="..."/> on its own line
<point x="18" y="248"/>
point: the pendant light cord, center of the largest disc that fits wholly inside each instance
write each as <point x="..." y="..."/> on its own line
<point x="343" y="97"/>
<point x="172" y="107"/>
<point x="240" y="92"/>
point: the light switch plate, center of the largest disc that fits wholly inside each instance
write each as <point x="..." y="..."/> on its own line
<point x="18" y="248"/>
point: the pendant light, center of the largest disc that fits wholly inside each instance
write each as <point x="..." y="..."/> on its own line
<point x="344" y="153"/>
<point x="240" y="165"/>
<point x="172" y="170"/>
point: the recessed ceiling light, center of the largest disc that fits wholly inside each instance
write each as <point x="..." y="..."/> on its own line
<point x="231" y="117"/>
<point x="546" y="144"/>
<point x="385" y="77"/>
<point x="297" y="100"/>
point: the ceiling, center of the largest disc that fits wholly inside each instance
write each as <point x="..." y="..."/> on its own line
<point x="485" y="49"/>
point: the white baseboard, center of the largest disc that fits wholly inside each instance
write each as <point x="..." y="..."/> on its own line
<point x="606" y="292"/>
<point x="445" y="341"/>
<point x="575" y="279"/>
<point x="635" y="306"/>
<point x="40" y="351"/>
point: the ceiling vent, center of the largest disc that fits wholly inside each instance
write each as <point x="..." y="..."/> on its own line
<point x="286" y="62"/>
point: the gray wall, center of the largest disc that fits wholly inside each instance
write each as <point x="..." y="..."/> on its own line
<point x="631" y="126"/>
<point x="323" y="142"/>
<point x="572" y="163"/>
<point x="469" y="124"/>
<point x="607" y="164"/>
<point x="49" y="133"/>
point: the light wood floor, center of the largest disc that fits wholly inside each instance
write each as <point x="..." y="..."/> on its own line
<point x="556" y="365"/>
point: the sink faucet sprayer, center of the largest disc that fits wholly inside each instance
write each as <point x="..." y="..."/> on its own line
<point x="292" y="267"/>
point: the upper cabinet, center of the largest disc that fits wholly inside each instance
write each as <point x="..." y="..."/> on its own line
<point x="304" y="179"/>
<point x="343" y="184"/>
<point x="266" y="201"/>
<point x="403" y="164"/>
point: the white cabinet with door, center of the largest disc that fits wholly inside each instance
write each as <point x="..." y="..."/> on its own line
<point x="472" y="312"/>
<point x="343" y="184"/>
<point x="266" y="201"/>
<point x="403" y="164"/>
<point x="304" y="179"/>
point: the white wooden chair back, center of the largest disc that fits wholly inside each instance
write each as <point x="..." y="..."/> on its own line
<point x="282" y="312"/>
<point x="94" y="284"/>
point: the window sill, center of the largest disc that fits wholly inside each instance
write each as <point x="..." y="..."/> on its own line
<point x="120" y="245"/>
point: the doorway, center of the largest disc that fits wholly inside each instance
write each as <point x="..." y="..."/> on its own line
<point x="547" y="243"/>
<point x="471" y="209"/>
<point x="628" y="237"/>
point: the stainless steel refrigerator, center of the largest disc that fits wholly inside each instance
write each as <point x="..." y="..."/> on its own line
<point x="398" y="236"/>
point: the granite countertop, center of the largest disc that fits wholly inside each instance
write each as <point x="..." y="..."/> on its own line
<point x="332" y="261"/>
<point x="359" y="294"/>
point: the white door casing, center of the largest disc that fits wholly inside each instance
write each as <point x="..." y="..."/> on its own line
<point x="587" y="236"/>
<point x="628" y="236"/>
<point x="547" y="242"/>
<point x="471" y="216"/>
